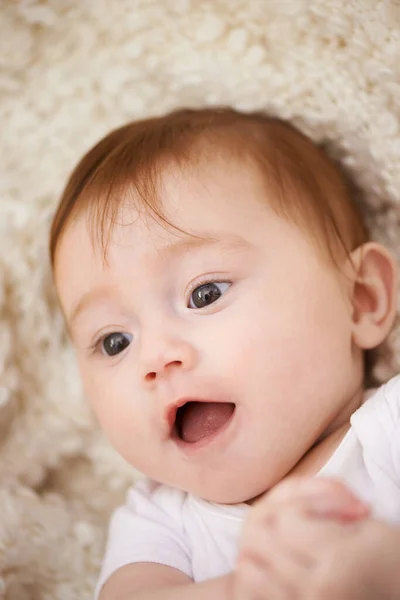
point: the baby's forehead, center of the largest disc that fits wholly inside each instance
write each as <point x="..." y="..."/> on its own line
<point x="208" y="191"/>
<point x="202" y="200"/>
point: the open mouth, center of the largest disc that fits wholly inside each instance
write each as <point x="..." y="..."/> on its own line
<point x="196" y="420"/>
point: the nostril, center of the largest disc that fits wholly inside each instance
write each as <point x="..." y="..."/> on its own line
<point x="177" y="363"/>
<point x="150" y="376"/>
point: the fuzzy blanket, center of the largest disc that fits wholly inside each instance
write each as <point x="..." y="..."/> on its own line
<point x="70" y="71"/>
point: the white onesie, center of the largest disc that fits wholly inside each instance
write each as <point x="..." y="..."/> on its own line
<point x="165" y="525"/>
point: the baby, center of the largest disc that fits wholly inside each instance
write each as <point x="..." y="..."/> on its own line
<point x="224" y="300"/>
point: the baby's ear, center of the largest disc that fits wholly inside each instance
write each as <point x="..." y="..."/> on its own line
<point x="374" y="292"/>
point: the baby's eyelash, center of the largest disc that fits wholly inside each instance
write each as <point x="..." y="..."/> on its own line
<point x="216" y="278"/>
<point x="93" y="348"/>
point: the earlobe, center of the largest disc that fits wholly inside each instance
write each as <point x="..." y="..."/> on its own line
<point x="374" y="291"/>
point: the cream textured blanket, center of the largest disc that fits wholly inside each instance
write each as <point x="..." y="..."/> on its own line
<point x="70" y="71"/>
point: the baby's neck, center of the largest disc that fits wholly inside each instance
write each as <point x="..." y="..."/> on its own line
<point x="319" y="454"/>
<point x="313" y="461"/>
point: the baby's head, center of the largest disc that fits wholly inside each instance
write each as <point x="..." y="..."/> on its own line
<point x="222" y="296"/>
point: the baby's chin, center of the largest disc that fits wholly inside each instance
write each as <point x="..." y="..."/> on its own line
<point x="237" y="494"/>
<point x="242" y="483"/>
<point x="230" y="498"/>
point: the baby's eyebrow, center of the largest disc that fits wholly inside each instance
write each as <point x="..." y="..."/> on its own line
<point x="225" y="242"/>
<point x="85" y="301"/>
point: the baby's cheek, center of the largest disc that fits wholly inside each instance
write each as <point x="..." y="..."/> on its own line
<point x="106" y="394"/>
<point x="122" y="424"/>
<point x="278" y="356"/>
<point x="93" y="385"/>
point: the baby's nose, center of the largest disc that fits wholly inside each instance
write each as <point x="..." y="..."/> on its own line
<point x="150" y="375"/>
<point x="164" y="356"/>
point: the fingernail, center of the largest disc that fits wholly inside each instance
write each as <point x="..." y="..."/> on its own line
<point x="326" y="506"/>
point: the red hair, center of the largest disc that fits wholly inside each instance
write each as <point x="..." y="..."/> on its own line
<point x="303" y="183"/>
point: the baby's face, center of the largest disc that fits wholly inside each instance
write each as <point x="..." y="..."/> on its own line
<point x="249" y="330"/>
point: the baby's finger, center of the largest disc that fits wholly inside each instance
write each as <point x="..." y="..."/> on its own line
<point x="268" y="548"/>
<point x="255" y="581"/>
<point x="320" y="496"/>
<point x="287" y="570"/>
<point x="292" y="570"/>
<point x="299" y="487"/>
<point x="336" y="506"/>
<point x="308" y="537"/>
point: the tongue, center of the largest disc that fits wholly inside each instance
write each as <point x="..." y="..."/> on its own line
<point x="201" y="419"/>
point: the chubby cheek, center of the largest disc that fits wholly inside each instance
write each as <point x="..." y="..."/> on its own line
<point x="112" y="402"/>
<point x="262" y="359"/>
<point x="281" y="347"/>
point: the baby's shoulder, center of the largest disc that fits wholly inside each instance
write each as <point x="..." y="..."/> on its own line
<point x="377" y="427"/>
<point x="147" y="494"/>
<point x="382" y="408"/>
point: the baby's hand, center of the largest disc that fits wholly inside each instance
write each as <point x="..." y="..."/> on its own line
<point x="273" y="565"/>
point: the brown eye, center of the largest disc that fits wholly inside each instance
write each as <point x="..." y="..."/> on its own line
<point x="115" y="343"/>
<point x="207" y="293"/>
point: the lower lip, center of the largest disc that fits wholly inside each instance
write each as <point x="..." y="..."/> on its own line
<point x="193" y="447"/>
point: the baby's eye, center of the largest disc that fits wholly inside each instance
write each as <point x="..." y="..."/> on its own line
<point x="207" y="293"/>
<point x="115" y="343"/>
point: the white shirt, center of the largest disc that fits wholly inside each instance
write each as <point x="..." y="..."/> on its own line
<point x="165" y="525"/>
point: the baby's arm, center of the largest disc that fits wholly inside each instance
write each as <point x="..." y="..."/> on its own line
<point x="152" y="581"/>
